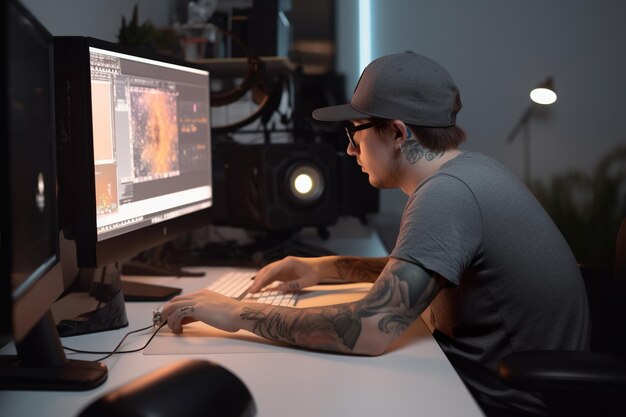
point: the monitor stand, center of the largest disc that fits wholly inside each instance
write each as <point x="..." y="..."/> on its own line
<point x="94" y="303"/>
<point x="153" y="265"/>
<point x="266" y="248"/>
<point x="41" y="364"/>
<point x="276" y="246"/>
<point x="134" y="267"/>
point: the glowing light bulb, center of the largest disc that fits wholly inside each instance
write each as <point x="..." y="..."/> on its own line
<point x="543" y="96"/>
<point x="303" y="183"/>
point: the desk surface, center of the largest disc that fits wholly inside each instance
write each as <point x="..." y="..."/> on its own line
<point x="413" y="378"/>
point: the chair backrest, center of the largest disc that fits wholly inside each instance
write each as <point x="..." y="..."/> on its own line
<point x="606" y="292"/>
<point x="597" y="284"/>
<point x="616" y="312"/>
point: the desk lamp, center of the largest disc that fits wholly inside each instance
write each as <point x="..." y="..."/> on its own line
<point x="542" y="95"/>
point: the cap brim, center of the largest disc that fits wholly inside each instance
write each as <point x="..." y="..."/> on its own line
<point x="339" y="113"/>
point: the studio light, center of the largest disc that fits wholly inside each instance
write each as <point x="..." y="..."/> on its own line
<point x="306" y="183"/>
<point x="276" y="187"/>
<point x="303" y="184"/>
<point x="288" y="186"/>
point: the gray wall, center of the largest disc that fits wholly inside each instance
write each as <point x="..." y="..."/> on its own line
<point x="96" y="18"/>
<point x="497" y="51"/>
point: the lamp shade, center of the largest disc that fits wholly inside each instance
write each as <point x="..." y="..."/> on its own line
<point x="544" y="93"/>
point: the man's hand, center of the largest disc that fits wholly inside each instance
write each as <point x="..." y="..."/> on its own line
<point x="297" y="273"/>
<point x="207" y="306"/>
<point x="292" y="272"/>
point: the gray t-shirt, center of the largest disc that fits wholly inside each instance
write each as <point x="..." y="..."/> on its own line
<point x="514" y="283"/>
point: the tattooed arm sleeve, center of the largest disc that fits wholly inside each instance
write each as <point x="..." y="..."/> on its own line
<point x="342" y="269"/>
<point x="355" y="269"/>
<point x="368" y="326"/>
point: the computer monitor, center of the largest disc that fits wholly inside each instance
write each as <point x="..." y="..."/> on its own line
<point x="134" y="148"/>
<point x="31" y="277"/>
<point x="134" y="157"/>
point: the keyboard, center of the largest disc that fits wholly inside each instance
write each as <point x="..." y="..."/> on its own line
<point x="235" y="284"/>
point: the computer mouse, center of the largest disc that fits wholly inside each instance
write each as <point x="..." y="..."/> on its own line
<point x="190" y="388"/>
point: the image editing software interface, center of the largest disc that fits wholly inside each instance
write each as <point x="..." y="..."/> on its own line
<point x="151" y="141"/>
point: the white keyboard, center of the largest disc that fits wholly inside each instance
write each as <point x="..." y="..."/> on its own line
<point x="235" y="284"/>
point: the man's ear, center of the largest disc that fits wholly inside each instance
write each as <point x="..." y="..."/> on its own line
<point x="401" y="131"/>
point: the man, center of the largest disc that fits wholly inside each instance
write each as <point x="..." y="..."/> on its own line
<point x="473" y="244"/>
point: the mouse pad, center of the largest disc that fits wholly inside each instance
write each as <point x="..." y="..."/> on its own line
<point x="199" y="338"/>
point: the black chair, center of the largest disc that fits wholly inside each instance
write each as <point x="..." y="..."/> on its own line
<point x="583" y="383"/>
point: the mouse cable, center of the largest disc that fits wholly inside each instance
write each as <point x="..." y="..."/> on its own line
<point x="116" y="351"/>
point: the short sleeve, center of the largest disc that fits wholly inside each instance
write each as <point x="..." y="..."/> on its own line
<point x="441" y="228"/>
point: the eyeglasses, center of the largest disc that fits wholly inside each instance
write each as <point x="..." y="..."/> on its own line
<point x="352" y="129"/>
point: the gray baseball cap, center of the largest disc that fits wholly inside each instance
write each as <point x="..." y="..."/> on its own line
<point x="405" y="86"/>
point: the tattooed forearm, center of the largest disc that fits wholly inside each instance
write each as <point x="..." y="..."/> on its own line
<point x="400" y="295"/>
<point x="397" y="298"/>
<point x="411" y="294"/>
<point x="413" y="151"/>
<point x="333" y="328"/>
<point x="354" y="269"/>
<point x="395" y="323"/>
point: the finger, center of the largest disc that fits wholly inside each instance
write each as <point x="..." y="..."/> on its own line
<point x="257" y="285"/>
<point x="265" y="276"/>
<point x="172" y="306"/>
<point x="180" y="316"/>
<point x="179" y="301"/>
<point x="188" y="320"/>
<point x="290" y="286"/>
<point x="297" y="285"/>
<point x="185" y="297"/>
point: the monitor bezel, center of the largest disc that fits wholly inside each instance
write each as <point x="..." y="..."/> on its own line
<point x="31" y="300"/>
<point x="78" y="215"/>
<point x="40" y="363"/>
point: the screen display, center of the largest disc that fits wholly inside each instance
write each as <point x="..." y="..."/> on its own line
<point x="151" y="141"/>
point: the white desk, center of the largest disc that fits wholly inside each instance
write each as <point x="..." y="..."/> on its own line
<point x="414" y="378"/>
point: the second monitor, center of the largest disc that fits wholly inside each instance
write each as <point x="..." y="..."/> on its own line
<point x="134" y="148"/>
<point x="134" y="164"/>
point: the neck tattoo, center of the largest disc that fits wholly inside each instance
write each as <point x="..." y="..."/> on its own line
<point x="413" y="151"/>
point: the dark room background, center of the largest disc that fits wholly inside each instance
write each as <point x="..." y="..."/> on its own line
<point x="497" y="52"/>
